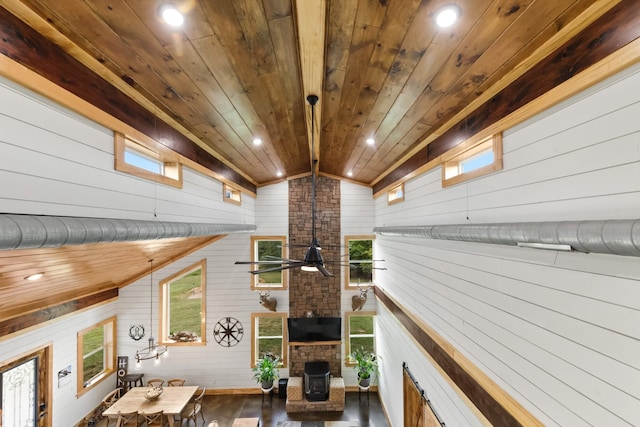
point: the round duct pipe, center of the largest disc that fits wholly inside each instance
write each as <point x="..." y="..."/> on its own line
<point x="42" y="231"/>
<point x="615" y="237"/>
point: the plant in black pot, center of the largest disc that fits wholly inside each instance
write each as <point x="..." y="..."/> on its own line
<point x="266" y="371"/>
<point x="366" y="364"/>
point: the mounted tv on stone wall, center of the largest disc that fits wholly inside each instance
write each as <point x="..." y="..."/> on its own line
<point x="310" y="329"/>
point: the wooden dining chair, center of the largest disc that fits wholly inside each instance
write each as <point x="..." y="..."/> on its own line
<point x="176" y="382"/>
<point x="191" y="411"/>
<point x="127" y="419"/>
<point x="110" y="399"/>
<point x="153" y="419"/>
<point x="155" y="382"/>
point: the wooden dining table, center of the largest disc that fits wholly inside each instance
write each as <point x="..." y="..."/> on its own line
<point x="172" y="401"/>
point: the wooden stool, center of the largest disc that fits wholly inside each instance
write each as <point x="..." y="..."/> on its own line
<point x="132" y="380"/>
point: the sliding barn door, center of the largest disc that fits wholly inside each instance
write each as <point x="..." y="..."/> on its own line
<point x="416" y="411"/>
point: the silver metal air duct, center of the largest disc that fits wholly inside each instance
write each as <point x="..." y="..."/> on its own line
<point x="616" y="237"/>
<point x="42" y="231"/>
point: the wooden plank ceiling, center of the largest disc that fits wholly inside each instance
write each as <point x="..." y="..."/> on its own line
<point x="73" y="272"/>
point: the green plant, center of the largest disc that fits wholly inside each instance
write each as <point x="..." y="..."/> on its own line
<point x="366" y="362"/>
<point x="266" y="369"/>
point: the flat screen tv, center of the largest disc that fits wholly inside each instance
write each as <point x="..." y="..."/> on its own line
<point x="309" y="329"/>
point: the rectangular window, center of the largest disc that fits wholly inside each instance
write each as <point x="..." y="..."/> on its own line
<point x="96" y="353"/>
<point x="268" y="336"/>
<point x="466" y="163"/>
<point x="395" y="195"/>
<point x="359" y="268"/>
<point x="232" y="195"/>
<point x="271" y="249"/>
<point x="153" y="162"/>
<point x="183" y="306"/>
<point x="360" y="332"/>
<point x="143" y="161"/>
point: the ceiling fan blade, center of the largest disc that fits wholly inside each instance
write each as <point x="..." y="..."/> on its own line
<point x="324" y="271"/>
<point x="284" y="267"/>
<point x="273" y="262"/>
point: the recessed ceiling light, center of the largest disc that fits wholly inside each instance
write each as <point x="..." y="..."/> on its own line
<point x="257" y="141"/>
<point x="371" y="141"/>
<point x="448" y="15"/>
<point x="171" y="15"/>
<point x="350" y="173"/>
<point x="34" y="276"/>
<point x="279" y="173"/>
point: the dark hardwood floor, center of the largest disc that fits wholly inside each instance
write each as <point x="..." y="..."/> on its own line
<point x="226" y="408"/>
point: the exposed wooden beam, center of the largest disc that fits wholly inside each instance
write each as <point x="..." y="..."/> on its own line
<point x="35" y="318"/>
<point x="311" y="27"/>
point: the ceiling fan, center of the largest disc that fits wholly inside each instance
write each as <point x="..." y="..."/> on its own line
<point x="312" y="260"/>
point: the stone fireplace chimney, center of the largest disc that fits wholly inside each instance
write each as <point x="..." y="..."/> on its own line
<point x="309" y="292"/>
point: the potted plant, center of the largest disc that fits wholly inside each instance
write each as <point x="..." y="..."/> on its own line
<point x="366" y="363"/>
<point x="266" y="371"/>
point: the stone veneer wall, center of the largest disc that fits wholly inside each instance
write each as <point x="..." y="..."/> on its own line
<point x="312" y="293"/>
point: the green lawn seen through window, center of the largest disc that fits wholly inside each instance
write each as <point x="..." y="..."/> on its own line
<point x="92" y="364"/>
<point x="185" y="304"/>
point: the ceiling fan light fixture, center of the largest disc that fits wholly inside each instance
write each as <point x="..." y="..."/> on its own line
<point x="171" y="15"/>
<point x="310" y="268"/>
<point x="448" y="15"/>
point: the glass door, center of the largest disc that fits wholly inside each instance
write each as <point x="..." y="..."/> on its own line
<point x="19" y="394"/>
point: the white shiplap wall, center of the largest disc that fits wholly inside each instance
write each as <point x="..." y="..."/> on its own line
<point x="560" y="332"/>
<point x="356" y="218"/>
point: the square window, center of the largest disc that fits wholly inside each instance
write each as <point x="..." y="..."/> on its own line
<point x="395" y="195"/>
<point x="270" y="250"/>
